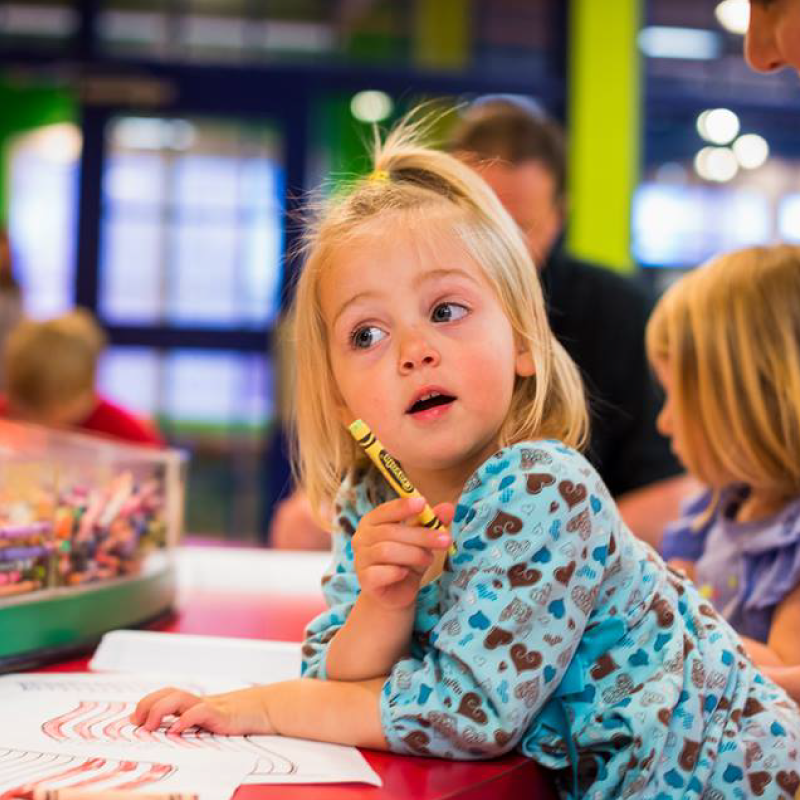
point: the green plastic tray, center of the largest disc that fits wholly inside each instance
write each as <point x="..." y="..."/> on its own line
<point x="55" y="624"/>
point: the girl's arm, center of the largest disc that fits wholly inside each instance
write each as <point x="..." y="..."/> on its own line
<point x="328" y="711"/>
<point x="372" y="591"/>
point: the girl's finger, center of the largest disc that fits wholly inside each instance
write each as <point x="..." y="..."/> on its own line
<point x="395" y="554"/>
<point x="139" y="714"/>
<point x="381" y="575"/>
<point x="175" y="703"/>
<point x="202" y="715"/>
<point x="400" y="510"/>
<point x="445" y="512"/>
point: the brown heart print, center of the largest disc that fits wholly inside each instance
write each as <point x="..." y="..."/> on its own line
<point x="603" y="666"/>
<point x="758" y="782"/>
<point x="536" y="481"/>
<point x="564" y="574"/>
<point x="788" y="781"/>
<point x="470" y="707"/>
<point x="572" y="493"/>
<point x="418" y="741"/>
<point x="497" y="637"/>
<point x="503" y="523"/>
<point x="524" y="659"/>
<point x="520" y="575"/>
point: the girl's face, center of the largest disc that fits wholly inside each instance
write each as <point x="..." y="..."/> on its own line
<point x="670" y="424"/>
<point x="773" y="37"/>
<point x="420" y="347"/>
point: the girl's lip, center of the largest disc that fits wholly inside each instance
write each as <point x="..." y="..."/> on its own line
<point x="433" y="413"/>
<point x="426" y="391"/>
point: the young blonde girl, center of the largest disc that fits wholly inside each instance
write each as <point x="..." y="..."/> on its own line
<point x="725" y="343"/>
<point x="550" y="629"/>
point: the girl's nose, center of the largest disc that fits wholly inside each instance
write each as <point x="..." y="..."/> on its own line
<point x="417" y="351"/>
<point x="760" y="48"/>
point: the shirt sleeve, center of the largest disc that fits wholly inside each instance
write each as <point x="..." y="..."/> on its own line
<point x="772" y="563"/>
<point x="531" y="551"/>
<point x="339" y="586"/>
<point x="686" y="537"/>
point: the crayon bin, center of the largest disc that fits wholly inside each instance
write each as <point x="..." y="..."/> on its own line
<point x="88" y="528"/>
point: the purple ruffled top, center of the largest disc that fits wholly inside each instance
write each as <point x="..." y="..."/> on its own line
<point x="745" y="568"/>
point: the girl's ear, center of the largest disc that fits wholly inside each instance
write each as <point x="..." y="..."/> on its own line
<point x="524" y="363"/>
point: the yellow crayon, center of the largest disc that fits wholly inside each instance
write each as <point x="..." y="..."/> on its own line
<point x="392" y="471"/>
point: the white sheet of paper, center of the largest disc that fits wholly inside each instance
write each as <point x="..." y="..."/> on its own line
<point x="60" y="765"/>
<point x="247" y="660"/>
<point x="88" y="713"/>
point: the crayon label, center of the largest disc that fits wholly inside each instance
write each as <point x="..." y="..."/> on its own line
<point x="396" y="471"/>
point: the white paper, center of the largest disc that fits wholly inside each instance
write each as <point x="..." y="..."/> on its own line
<point x="60" y="766"/>
<point x="89" y="714"/>
<point x="247" y="660"/>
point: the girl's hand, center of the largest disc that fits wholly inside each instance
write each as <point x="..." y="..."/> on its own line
<point x="239" y="712"/>
<point x="391" y="557"/>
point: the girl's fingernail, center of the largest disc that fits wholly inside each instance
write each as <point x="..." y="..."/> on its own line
<point x="417" y="503"/>
<point x="443" y="538"/>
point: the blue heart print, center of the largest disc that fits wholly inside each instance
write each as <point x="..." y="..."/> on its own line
<point x="424" y="693"/>
<point x="556" y="608"/>
<point x="479" y="620"/>
<point x="507" y="481"/>
<point x="595" y="504"/>
<point x="661" y="640"/>
<point x="541" y="556"/>
<point x="496" y="469"/>
<point x="673" y="778"/>
<point x="639" y="659"/>
<point x="732" y="774"/>
<point x="475" y="543"/>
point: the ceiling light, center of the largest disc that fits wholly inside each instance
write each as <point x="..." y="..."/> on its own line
<point x="718" y="125"/>
<point x="751" y="150"/>
<point x="716" y="164"/>
<point x="733" y="15"/>
<point x="657" y="41"/>
<point x="371" y="106"/>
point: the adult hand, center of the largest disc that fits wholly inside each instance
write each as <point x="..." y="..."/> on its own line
<point x="392" y="552"/>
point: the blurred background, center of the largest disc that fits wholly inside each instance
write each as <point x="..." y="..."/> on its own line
<point x="153" y="155"/>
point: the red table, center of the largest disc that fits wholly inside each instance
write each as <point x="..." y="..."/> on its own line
<point x="216" y="611"/>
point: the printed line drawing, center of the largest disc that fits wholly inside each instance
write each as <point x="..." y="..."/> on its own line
<point x="109" y="721"/>
<point x="23" y="771"/>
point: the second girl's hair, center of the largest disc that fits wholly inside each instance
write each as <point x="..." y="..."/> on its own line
<point x="412" y="184"/>
<point x="729" y="335"/>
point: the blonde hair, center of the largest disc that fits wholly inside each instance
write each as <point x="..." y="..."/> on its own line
<point x="729" y="335"/>
<point x="409" y="178"/>
<point x="51" y="362"/>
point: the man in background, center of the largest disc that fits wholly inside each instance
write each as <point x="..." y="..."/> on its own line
<point x="598" y="315"/>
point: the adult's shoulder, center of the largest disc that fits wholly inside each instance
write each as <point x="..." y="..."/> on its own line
<point x="598" y="286"/>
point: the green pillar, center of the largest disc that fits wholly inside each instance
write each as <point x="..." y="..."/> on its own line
<point x="604" y="111"/>
<point x="442" y="34"/>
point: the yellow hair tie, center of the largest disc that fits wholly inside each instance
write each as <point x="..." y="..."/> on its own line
<point x="379" y="175"/>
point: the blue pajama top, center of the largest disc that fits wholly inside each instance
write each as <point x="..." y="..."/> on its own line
<point x="554" y="631"/>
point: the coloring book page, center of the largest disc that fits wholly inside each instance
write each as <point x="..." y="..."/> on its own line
<point x="90" y="714"/>
<point x="23" y="769"/>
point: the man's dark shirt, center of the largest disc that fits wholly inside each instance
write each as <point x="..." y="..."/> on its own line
<point x="599" y="316"/>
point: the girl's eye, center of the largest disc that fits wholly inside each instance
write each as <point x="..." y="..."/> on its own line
<point x="447" y="312"/>
<point x="363" y="338"/>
